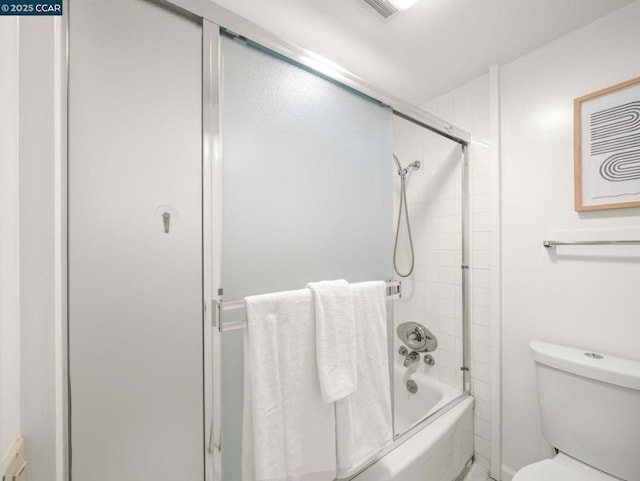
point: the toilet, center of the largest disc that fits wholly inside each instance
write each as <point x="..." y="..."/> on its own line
<point x="590" y="412"/>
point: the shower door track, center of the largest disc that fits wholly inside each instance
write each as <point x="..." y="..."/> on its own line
<point x="242" y="27"/>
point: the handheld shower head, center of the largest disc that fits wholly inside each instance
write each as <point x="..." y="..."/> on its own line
<point x="412" y="166"/>
<point x="403" y="205"/>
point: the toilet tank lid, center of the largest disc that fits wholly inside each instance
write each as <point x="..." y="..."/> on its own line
<point x="609" y="369"/>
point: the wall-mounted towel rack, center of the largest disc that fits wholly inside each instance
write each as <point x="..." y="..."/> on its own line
<point x="394" y="292"/>
<point x="553" y="243"/>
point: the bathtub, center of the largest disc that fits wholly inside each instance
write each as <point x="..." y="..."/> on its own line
<point x="434" y="427"/>
<point x="409" y="408"/>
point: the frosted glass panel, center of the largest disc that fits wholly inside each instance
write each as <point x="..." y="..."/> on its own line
<point x="308" y="194"/>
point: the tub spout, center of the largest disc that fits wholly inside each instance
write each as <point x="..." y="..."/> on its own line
<point x="411" y="359"/>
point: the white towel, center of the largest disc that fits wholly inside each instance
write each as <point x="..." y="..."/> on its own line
<point x="335" y="338"/>
<point x="363" y="419"/>
<point x="288" y="431"/>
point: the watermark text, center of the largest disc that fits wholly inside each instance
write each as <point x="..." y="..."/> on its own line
<point x="28" y="7"/>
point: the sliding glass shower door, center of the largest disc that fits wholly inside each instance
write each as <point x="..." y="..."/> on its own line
<point x="135" y="243"/>
<point x="307" y="195"/>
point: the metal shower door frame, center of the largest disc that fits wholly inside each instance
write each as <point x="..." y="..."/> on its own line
<point x="214" y="18"/>
<point x="212" y="208"/>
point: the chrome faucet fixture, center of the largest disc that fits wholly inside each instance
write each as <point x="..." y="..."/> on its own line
<point x="429" y="360"/>
<point x="411" y="358"/>
<point x="417" y="337"/>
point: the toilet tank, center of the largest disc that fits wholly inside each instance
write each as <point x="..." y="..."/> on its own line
<point x="590" y="407"/>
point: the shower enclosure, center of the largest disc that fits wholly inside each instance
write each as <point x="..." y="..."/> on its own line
<point x="310" y="189"/>
<point x="434" y="295"/>
<point x="237" y="165"/>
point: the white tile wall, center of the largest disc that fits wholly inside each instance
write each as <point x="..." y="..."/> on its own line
<point x="468" y="107"/>
<point x="432" y="295"/>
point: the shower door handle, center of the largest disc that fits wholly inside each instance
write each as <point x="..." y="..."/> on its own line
<point x="168" y="215"/>
<point x="166" y="220"/>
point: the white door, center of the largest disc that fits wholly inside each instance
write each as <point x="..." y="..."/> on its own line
<point x="135" y="284"/>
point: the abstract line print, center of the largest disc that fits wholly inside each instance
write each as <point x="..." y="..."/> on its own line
<point x="615" y="147"/>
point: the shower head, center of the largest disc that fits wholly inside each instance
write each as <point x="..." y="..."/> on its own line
<point x="412" y="166"/>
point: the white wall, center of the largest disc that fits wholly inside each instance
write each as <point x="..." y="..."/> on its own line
<point x="37" y="244"/>
<point x="9" y="279"/>
<point x="468" y="107"/>
<point x="580" y="297"/>
<point x="28" y="155"/>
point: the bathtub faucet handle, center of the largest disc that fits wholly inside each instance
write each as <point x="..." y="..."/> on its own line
<point x="411" y="358"/>
<point x="415" y="335"/>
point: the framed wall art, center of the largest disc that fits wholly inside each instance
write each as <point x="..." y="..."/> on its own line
<point x="607" y="148"/>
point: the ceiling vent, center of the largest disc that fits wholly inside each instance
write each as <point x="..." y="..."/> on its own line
<point x="383" y="7"/>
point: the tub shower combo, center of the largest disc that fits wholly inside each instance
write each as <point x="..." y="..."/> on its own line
<point x="269" y="172"/>
<point x="335" y="199"/>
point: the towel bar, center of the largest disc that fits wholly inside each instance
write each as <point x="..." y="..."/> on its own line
<point x="394" y="292"/>
<point x="553" y="243"/>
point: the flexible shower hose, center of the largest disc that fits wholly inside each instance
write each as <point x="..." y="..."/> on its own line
<point x="403" y="201"/>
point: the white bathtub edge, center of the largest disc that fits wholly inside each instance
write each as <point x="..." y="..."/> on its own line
<point x="407" y="457"/>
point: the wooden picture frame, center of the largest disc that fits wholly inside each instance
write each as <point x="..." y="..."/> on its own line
<point x="607" y="148"/>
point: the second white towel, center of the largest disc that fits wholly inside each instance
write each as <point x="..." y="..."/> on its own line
<point x="363" y="419"/>
<point x="335" y="338"/>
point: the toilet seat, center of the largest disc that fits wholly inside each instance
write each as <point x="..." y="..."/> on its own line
<point x="561" y="468"/>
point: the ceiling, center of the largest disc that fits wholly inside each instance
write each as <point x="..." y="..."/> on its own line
<point x="430" y="49"/>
